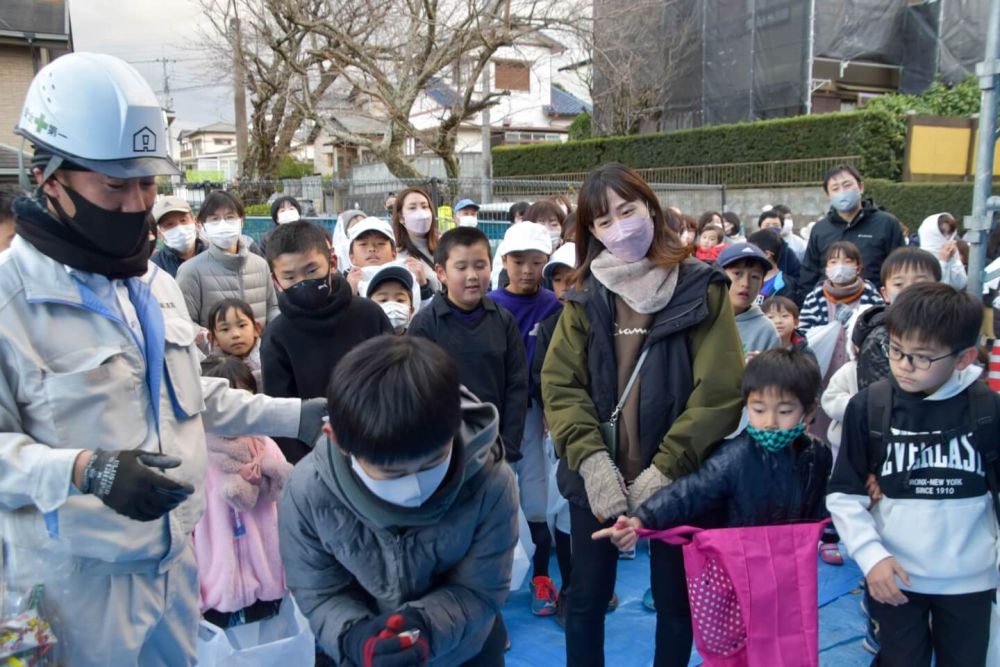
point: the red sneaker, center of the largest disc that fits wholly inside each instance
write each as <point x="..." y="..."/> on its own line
<point x="546" y="596"/>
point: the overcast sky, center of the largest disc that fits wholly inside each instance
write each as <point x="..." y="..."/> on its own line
<point x="140" y="31"/>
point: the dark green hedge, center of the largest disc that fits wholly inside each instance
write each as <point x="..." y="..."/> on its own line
<point x="912" y="202"/>
<point x="872" y="135"/>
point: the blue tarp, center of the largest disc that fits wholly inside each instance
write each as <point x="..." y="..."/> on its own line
<point x="629" y="630"/>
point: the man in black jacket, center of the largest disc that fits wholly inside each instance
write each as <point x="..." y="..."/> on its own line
<point x="851" y="218"/>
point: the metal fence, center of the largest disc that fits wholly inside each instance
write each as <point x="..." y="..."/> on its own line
<point x="328" y="198"/>
<point x="370" y="195"/>
<point x="781" y="173"/>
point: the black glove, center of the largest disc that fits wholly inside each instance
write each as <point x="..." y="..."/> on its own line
<point x="124" y="482"/>
<point x="390" y="640"/>
<point x="311" y="420"/>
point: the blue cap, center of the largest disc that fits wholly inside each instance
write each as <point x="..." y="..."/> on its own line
<point x="465" y="203"/>
<point x="738" y="252"/>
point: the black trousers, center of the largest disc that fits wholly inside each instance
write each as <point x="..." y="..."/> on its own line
<point x="954" y="628"/>
<point x="493" y="648"/>
<point x="595" y="564"/>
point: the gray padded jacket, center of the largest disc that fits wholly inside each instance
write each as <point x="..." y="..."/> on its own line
<point x="214" y="275"/>
<point x="349" y="555"/>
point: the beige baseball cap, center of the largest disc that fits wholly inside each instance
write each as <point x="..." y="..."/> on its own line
<point x="169" y="204"/>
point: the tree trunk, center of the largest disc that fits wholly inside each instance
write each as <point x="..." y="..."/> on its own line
<point x="391" y="152"/>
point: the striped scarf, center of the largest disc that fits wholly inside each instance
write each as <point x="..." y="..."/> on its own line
<point x="848" y="293"/>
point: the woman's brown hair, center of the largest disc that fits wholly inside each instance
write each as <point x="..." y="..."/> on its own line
<point x="403" y="240"/>
<point x="544" y="208"/>
<point x="666" y="250"/>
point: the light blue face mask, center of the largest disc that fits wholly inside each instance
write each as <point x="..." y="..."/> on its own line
<point x="409" y="490"/>
<point x="845" y="201"/>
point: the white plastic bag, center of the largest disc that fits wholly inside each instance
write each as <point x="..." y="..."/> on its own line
<point x="285" y="639"/>
<point x="523" y="551"/>
<point x="557" y="511"/>
<point x="823" y="343"/>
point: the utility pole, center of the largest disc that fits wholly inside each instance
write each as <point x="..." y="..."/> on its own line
<point x="486" y="191"/>
<point x="979" y="223"/>
<point x="239" y="97"/>
<point x="168" y="102"/>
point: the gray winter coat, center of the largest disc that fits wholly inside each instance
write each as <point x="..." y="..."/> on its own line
<point x="756" y="331"/>
<point x="349" y="556"/>
<point x="214" y="275"/>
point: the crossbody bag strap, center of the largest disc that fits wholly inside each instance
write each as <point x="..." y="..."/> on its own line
<point x="628" y="388"/>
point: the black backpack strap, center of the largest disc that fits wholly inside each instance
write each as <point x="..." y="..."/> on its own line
<point x="983" y="410"/>
<point x="879" y="417"/>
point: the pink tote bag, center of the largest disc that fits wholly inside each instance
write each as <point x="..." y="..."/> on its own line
<point x="752" y="593"/>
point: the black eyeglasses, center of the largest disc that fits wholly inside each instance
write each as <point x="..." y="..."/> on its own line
<point x="921" y="362"/>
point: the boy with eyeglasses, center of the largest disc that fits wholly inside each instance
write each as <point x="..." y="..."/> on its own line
<point x="929" y="434"/>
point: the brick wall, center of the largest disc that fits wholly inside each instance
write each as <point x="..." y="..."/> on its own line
<point x="16" y="73"/>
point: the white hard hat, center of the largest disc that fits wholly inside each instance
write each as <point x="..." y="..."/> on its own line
<point x="96" y="111"/>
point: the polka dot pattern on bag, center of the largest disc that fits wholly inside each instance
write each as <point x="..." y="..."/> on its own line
<point x="715" y="612"/>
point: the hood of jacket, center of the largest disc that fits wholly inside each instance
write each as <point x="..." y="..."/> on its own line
<point x="931" y="238"/>
<point x="752" y="313"/>
<point x="474" y="450"/>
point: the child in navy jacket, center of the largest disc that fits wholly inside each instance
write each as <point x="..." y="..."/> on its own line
<point x="773" y="473"/>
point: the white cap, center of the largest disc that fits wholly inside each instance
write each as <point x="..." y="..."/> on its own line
<point x="372" y="224"/>
<point x="564" y="256"/>
<point x="169" y="204"/>
<point x="526" y="236"/>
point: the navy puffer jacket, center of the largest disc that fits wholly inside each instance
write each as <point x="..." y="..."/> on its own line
<point x="748" y="485"/>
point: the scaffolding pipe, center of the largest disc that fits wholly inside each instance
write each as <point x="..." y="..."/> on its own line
<point x="980" y="222"/>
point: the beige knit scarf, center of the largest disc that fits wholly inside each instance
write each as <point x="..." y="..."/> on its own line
<point x="645" y="287"/>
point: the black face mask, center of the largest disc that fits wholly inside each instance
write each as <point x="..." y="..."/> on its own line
<point x="309" y="294"/>
<point x="95" y="240"/>
<point x="115" y="233"/>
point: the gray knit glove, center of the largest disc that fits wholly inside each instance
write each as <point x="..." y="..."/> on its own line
<point x="605" y="486"/>
<point x="645" y="485"/>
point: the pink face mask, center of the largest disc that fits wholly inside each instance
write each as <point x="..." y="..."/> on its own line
<point x="628" y="239"/>
<point x="417" y="222"/>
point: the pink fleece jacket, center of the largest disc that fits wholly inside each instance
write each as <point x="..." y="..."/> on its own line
<point x="236" y="541"/>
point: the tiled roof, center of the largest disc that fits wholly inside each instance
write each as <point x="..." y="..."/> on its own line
<point x="566" y="104"/>
<point x="47" y="17"/>
<point x="441" y="93"/>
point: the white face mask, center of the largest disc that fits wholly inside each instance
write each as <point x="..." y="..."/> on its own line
<point x="409" y="490"/>
<point x="468" y="221"/>
<point x="556" y="237"/>
<point x="417" y="222"/>
<point x="398" y="314"/>
<point x="841" y="274"/>
<point x="288" y="215"/>
<point x="180" y="238"/>
<point x="787" y="228"/>
<point x="225" y="233"/>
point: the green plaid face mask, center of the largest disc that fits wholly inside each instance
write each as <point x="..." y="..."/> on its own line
<point x="778" y="439"/>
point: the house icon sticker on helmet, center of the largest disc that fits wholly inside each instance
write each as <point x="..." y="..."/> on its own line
<point x="144" y="141"/>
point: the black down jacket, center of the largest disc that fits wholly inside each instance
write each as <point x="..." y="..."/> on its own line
<point x="748" y="485"/>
